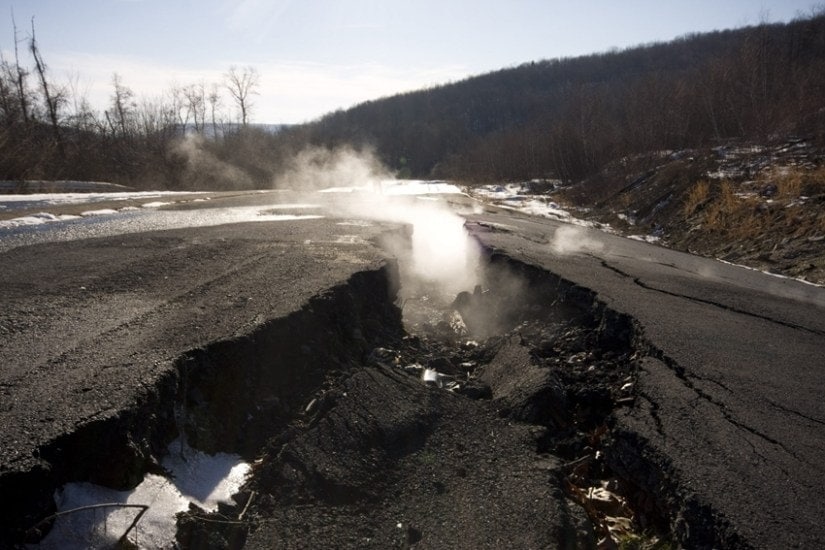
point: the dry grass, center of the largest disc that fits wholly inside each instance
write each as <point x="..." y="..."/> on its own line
<point x="814" y="183"/>
<point x="697" y="196"/>
<point x="792" y="183"/>
<point x="723" y="213"/>
<point x="723" y="206"/>
<point x="789" y="186"/>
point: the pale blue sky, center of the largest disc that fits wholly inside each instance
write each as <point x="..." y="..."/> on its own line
<point x="315" y="56"/>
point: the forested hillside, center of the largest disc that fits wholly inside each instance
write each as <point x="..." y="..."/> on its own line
<point x="562" y="119"/>
<point x="567" y="118"/>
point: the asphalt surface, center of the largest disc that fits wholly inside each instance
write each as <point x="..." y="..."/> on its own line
<point x="85" y="324"/>
<point x="730" y="395"/>
<point x="729" y="392"/>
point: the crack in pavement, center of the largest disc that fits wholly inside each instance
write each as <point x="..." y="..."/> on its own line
<point x="682" y="374"/>
<point x="793" y="412"/>
<point x="719" y="305"/>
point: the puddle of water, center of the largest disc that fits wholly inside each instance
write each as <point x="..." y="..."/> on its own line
<point x="195" y="477"/>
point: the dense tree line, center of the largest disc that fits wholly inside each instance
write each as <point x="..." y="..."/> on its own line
<point x="561" y="118"/>
<point x="566" y="118"/>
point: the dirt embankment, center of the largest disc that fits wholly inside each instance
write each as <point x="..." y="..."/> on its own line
<point x="758" y="205"/>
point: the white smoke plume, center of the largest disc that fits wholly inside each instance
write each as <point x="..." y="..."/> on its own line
<point x="570" y="239"/>
<point x="356" y="185"/>
<point x="203" y="167"/>
<point x="316" y="168"/>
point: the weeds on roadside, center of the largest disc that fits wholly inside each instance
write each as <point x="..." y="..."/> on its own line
<point x="697" y="196"/>
<point x="719" y="209"/>
<point x="722" y="207"/>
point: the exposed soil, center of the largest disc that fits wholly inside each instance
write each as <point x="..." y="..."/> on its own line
<point x="762" y="205"/>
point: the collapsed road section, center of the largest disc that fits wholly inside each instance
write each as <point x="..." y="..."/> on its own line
<point x="104" y="341"/>
<point x="518" y="412"/>
<point x="481" y="423"/>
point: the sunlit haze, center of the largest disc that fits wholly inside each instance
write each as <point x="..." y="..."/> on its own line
<point x="317" y="56"/>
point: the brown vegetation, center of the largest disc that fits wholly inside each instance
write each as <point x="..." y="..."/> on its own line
<point x="762" y="206"/>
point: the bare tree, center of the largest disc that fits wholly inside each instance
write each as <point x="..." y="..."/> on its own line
<point x="179" y="108"/>
<point x="53" y="98"/>
<point x="195" y="97"/>
<point x="122" y="106"/>
<point x="241" y="83"/>
<point x="82" y="115"/>
<point x="214" y="99"/>
<point x="9" y="107"/>
<point x="20" y="77"/>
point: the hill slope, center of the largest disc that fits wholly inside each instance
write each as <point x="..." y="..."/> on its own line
<point x="568" y="118"/>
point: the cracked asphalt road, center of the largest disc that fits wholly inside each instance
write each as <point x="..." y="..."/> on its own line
<point x="112" y="314"/>
<point x="730" y="395"/>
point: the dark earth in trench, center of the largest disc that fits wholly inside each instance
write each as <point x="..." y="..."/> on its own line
<point x="501" y="450"/>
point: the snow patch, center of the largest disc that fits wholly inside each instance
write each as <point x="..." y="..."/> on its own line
<point x="35" y="219"/>
<point x="33" y="200"/>
<point x="195" y="477"/>
<point x="645" y="238"/>
<point x="777" y="275"/>
<point x="101" y="212"/>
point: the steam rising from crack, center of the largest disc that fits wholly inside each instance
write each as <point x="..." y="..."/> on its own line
<point x="318" y="168"/>
<point x="570" y="239"/>
<point x="356" y="185"/>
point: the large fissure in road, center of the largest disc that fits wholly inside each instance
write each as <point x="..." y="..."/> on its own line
<point x="483" y="419"/>
<point x="227" y="396"/>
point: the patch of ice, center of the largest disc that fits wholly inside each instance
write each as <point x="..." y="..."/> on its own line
<point x="645" y="238"/>
<point x="777" y="275"/>
<point x="196" y="477"/>
<point x="155" y="204"/>
<point x="101" y="212"/>
<point x="35" y="219"/>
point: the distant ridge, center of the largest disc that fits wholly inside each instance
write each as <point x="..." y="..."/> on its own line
<point x="566" y="118"/>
